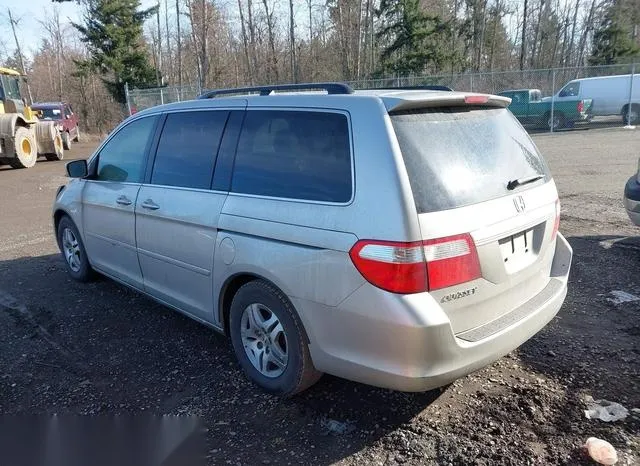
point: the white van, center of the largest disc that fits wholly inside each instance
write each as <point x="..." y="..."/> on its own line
<point x="610" y="95"/>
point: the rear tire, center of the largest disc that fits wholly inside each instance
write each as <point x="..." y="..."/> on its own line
<point x="24" y="149"/>
<point x="558" y="121"/>
<point x="269" y="340"/>
<point x="66" y="140"/>
<point x="73" y="251"/>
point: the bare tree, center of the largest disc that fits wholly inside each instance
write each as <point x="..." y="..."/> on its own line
<point x="273" y="59"/>
<point x="245" y="43"/>
<point x="524" y="35"/>
<point x="179" y="43"/>
<point x="14" y="23"/>
<point x="167" y="35"/>
<point x="292" y="44"/>
<point x="159" y="64"/>
<point x="51" y="24"/>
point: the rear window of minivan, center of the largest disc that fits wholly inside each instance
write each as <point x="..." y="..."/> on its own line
<point x="458" y="156"/>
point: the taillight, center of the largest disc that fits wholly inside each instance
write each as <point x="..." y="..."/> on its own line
<point x="392" y="266"/>
<point x="556" y="224"/>
<point x="580" y="106"/>
<point x="451" y="261"/>
<point x="418" y="266"/>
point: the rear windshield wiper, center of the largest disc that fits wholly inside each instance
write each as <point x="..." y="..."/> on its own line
<point x="513" y="184"/>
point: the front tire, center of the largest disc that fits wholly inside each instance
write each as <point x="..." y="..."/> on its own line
<point x="24" y="148"/>
<point x="73" y="251"/>
<point x="58" y="147"/>
<point x="77" y="138"/>
<point x="269" y="340"/>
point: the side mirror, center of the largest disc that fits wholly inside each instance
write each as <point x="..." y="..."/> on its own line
<point x="77" y="169"/>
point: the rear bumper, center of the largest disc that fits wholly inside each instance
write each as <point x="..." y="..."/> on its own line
<point x="584" y="117"/>
<point x="406" y="342"/>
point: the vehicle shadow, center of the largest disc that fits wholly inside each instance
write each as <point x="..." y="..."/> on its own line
<point x="101" y="349"/>
<point x="591" y="349"/>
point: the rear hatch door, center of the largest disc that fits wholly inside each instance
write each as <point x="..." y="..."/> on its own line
<point x="474" y="171"/>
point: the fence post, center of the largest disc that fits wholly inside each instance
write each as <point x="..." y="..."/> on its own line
<point x="470" y="82"/>
<point x="126" y="95"/>
<point x="553" y="97"/>
<point x="161" y="97"/>
<point x="633" y="71"/>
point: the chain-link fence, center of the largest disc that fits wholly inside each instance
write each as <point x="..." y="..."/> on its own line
<point x="140" y="99"/>
<point x="543" y="100"/>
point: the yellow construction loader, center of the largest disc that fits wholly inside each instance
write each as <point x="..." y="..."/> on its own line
<point x="22" y="136"/>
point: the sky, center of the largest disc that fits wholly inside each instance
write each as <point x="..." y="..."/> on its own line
<point x="28" y="13"/>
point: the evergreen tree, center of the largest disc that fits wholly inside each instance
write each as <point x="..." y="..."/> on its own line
<point x="112" y="30"/>
<point x="412" y="40"/>
<point x="612" y="41"/>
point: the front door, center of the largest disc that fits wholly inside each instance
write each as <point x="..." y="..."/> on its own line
<point x="177" y="212"/>
<point x="109" y="201"/>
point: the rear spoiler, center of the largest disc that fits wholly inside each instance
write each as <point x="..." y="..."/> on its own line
<point x="414" y="100"/>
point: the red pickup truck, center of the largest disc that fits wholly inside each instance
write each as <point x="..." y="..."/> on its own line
<point x="66" y="118"/>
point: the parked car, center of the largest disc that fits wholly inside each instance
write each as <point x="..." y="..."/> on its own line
<point x="64" y="115"/>
<point x="396" y="238"/>
<point x="529" y="107"/>
<point x="610" y="95"/>
<point x="632" y="197"/>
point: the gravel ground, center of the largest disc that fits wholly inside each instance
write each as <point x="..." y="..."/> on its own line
<point x="102" y="349"/>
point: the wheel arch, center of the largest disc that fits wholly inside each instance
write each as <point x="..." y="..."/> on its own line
<point x="57" y="217"/>
<point x="9" y="122"/>
<point x="625" y="107"/>
<point x="231" y="286"/>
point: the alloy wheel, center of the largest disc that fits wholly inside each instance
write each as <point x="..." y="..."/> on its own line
<point x="264" y="340"/>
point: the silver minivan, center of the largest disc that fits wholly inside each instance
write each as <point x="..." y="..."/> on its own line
<point x="398" y="238"/>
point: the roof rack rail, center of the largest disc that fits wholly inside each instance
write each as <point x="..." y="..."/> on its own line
<point x="331" y="88"/>
<point x="416" y="88"/>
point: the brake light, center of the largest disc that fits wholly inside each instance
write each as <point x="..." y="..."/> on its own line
<point x="556" y="223"/>
<point x="580" y="106"/>
<point x="451" y="261"/>
<point x="476" y="99"/>
<point x="417" y="266"/>
<point x="392" y="266"/>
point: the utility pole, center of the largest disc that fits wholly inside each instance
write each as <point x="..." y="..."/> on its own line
<point x="14" y="23"/>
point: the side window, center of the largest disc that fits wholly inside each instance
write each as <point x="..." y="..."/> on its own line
<point x="67" y="111"/>
<point x="297" y="155"/>
<point x="187" y="149"/>
<point x="123" y="157"/>
<point x="570" y="90"/>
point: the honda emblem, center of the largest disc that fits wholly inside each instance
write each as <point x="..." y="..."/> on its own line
<point x="518" y="201"/>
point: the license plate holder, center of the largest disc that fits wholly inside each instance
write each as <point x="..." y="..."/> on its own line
<point x="517" y="248"/>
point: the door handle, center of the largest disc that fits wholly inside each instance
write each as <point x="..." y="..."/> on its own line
<point x="149" y="204"/>
<point x="123" y="200"/>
